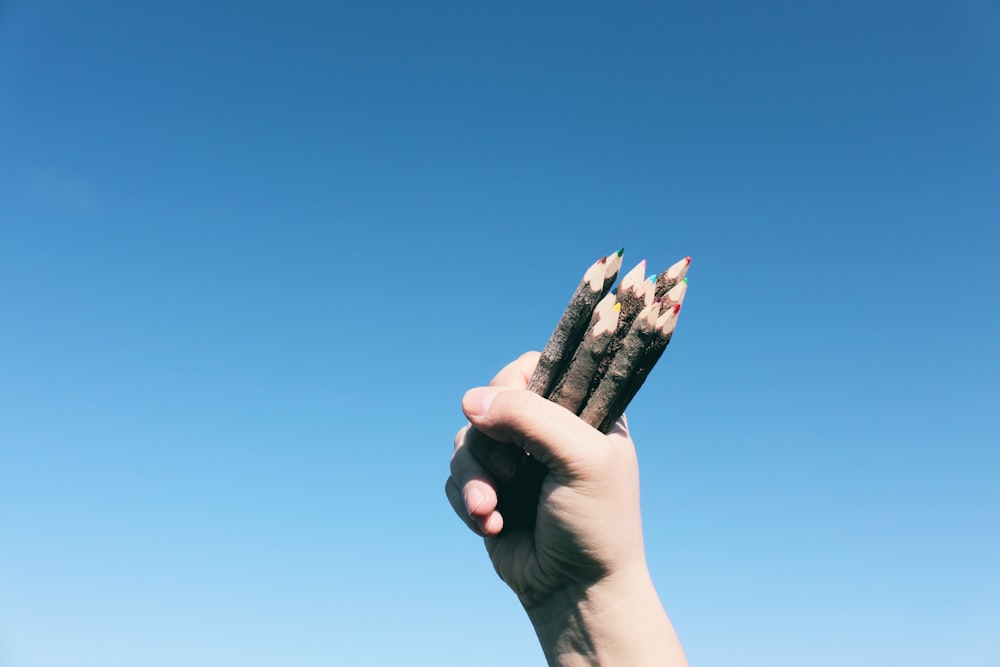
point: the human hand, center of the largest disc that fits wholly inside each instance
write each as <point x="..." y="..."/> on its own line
<point x="579" y="567"/>
<point x="587" y="524"/>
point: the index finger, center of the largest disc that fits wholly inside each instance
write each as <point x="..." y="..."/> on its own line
<point x="517" y="374"/>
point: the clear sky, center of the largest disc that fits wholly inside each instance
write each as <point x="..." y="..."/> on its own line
<point x="252" y="254"/>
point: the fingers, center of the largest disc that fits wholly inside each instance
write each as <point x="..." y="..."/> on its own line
<point x="500" y="460"/>
<point x="553" y="435"/>
<point x="484" y="527"/>
<point x="517" y="373"/>
<point x="507" y="420"/>
<point x="457" y="502"/>
<point x="471" y="489"/>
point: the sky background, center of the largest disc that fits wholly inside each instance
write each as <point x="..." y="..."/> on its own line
<point x="252" y="255"/>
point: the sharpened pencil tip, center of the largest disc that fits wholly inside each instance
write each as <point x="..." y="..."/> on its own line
<point x="688" y="259"/>
<point x="685" y="280"/>
<point x="677" y="308"/>
<point x="621" y="251"/>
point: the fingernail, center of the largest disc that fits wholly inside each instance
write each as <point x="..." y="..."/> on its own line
<point x="477" y="401"/>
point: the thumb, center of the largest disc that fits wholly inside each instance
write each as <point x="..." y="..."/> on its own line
<point x="549" y="432"/>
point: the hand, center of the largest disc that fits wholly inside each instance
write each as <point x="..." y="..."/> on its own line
<point x="579" y="568"/>
<point x="587" y="525"/>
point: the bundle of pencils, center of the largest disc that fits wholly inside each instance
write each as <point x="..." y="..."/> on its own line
<point x="606" y="342"/>
<point x="600" y="353"/>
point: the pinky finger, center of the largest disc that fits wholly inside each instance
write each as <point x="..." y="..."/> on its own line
<point x="458" y="505"/>
<point x="486" y="526"/>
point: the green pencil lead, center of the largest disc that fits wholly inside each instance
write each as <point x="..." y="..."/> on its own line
<point x="621" y="251"/>
<point x="685" y="280"/>
<point x="652" y="278"/>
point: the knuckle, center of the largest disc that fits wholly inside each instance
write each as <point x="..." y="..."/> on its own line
<point x="460" y="436"/>
<point x="458" y="464"/>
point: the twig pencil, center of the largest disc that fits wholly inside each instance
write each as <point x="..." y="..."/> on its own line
<point x="558" y="351"/>
<point x="634" y="293"/>
<point x="611" y="272"/>
<point x="622" y="367"/>
<point x="572" y="388"/>
<point x="674" y="296"/>
<point x="596" y="370"/>
<point x="662" y="334"/>
<point x="673" y="275"/>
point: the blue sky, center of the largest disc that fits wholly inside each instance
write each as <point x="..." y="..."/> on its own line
<point x="251" y="257"/>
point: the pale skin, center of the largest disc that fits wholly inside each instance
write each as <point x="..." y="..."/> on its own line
<point x="580" y="572"/>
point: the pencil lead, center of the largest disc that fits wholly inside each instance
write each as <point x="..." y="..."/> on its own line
<point x="621" y="251"/>
<point x="688" y="260"/>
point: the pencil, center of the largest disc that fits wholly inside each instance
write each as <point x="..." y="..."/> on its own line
<point x="558" y="351"/>
<point x="611" y="272"/>
<point x="633" y="294"/>
<point x="571" y="389"/>
<point x="662" y="334"/>
<point x="598" y="356"/>
<point x="622" y="367"/>
<point x="673" y="275"/>
<point x="674" y="296"/>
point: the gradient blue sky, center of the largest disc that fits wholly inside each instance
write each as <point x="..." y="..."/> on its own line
<point x="252" y="255"/>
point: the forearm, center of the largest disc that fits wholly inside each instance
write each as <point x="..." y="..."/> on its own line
<point x="618" y="621"/>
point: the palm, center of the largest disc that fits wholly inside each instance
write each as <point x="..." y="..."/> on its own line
<point x="535" y="560"/>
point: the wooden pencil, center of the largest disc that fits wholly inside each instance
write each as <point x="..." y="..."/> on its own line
<point x="633" y="294"/>
<point x="622" y="367"/>
<point x="570" y="368"/>
<point x="558" y="351"/>
<point x="662" y="334"/>
<point x="673" y="275"/>
<point x="611" y="270"/>
<point x="572" y="388"/>
<point x="674" y="296"/>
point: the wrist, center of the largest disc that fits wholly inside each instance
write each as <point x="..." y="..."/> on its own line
<point x="617" y="620"/>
